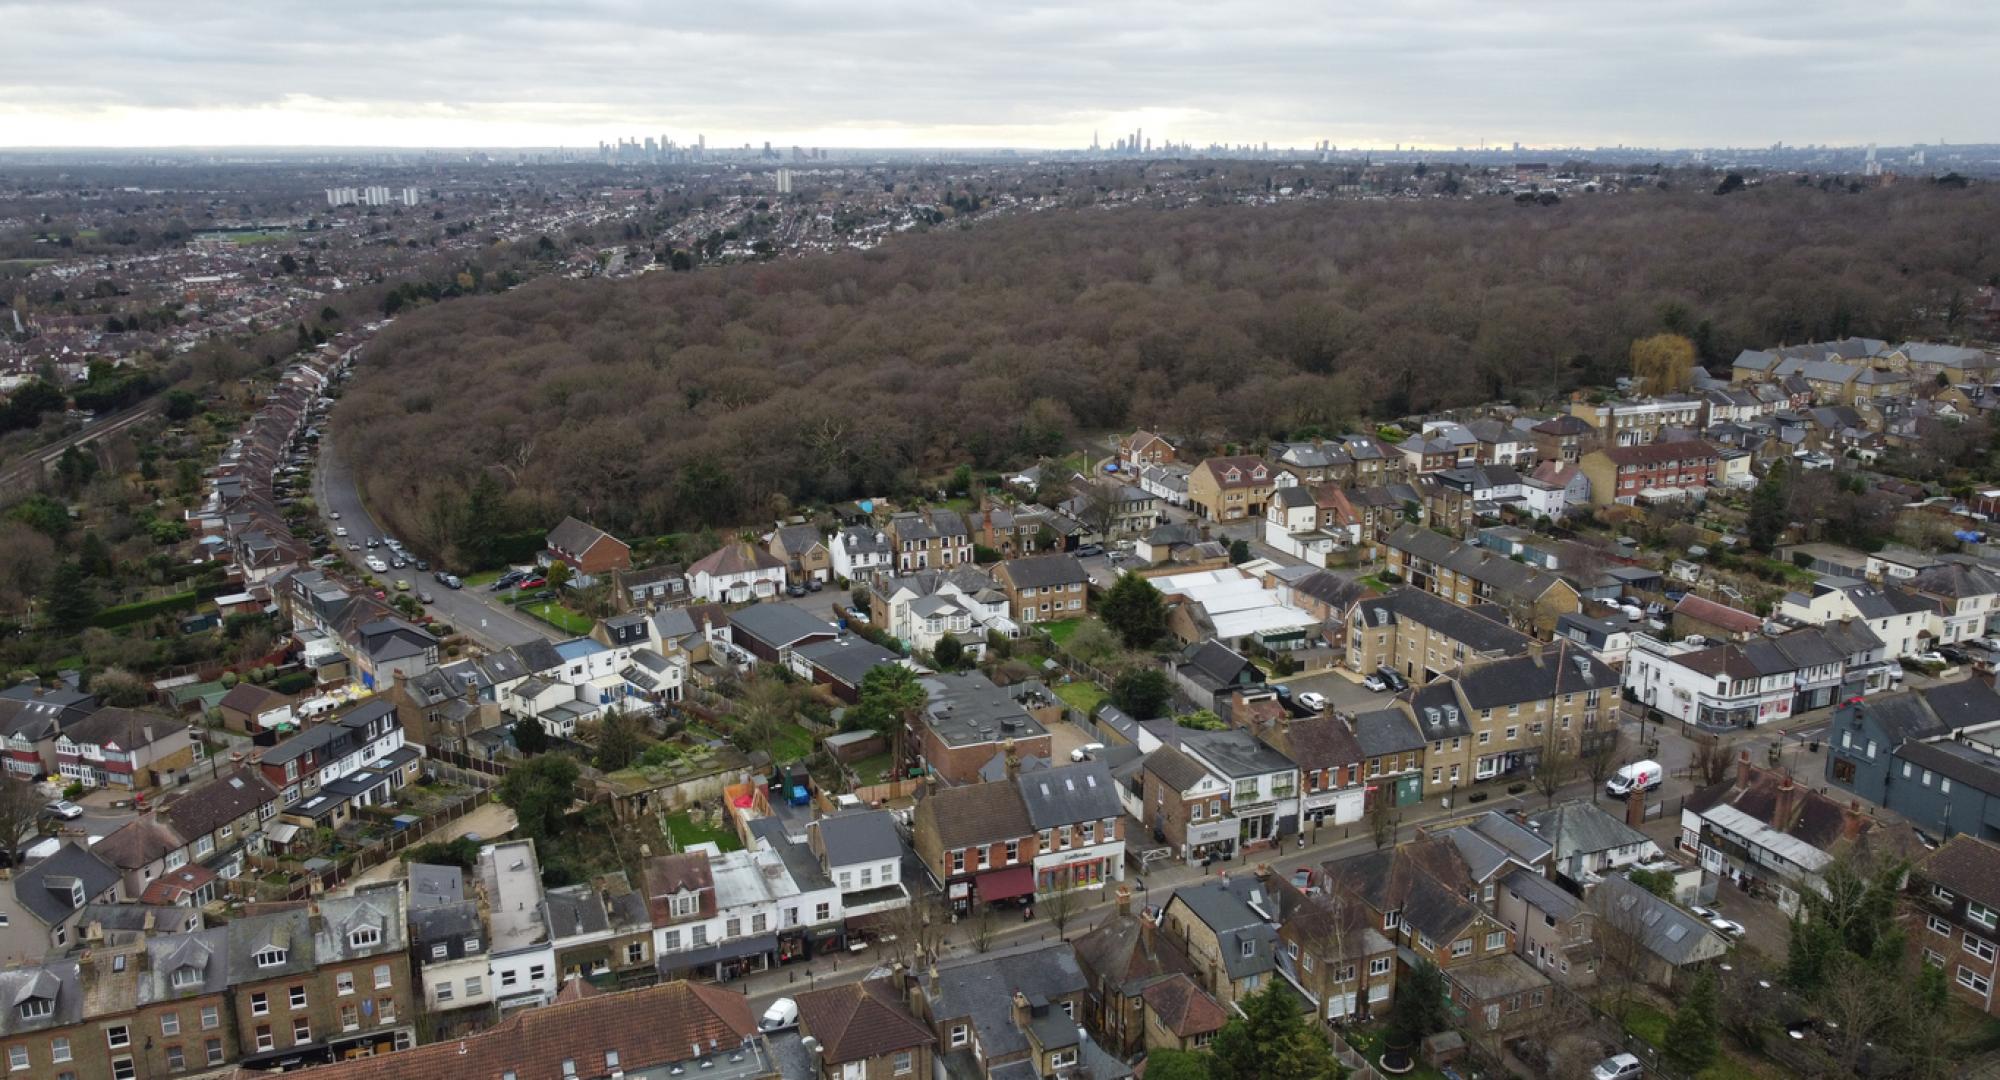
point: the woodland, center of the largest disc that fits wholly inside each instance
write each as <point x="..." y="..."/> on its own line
<point x="677" y="401"/>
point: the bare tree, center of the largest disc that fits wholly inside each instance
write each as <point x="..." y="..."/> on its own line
<point x="1557" y="764"/>
<point x="1060" y="907"/>
<point x="984" y="927"/>
<point x="1600" y="754"/>
<point x="1621" y="949"/>
<point x="20" y="805"/>
<point x="1382" y="817"/>
<point x="1711" y="761"/>
<point x="1853" y="998"/>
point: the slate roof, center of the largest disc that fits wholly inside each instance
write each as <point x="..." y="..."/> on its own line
<point x="1236" y="754"/>
<point x="432" y="886"/>
<point x="1223" y="906"/>
<point x="1175" y="769"/>
<point x="1957" y="761"/>
<point x="290" y="931"/>
<point x="136" y="843"/>
<point x="1546" y="895"/>
<point x="1673" y="935"/>
<point x="1967" y="866"/>
<point x="1493" y="841"/>
<point x="59" y="981"/>
<point x="1386" y="731"/>
<point x="1476" y="631"/>
<point x="446" y="922"/>
<point x="1129" y="951"/>
<point x="1956" y="580"/>
<point x="1425" y="879"/>
<point x="1435" y="708"/>
<point x="847" y="659"/>
<point x="1488" y="568"/>
<point x="1044" y="571"/>
<point x="127" y="728"/>
<point x="1069" y="795"/>
<point x="859" y="836"/>
<point x="1214" y="660"/>
<point x="981" y="988"/>
<point x="575" y="537"/>
<point x="778" y="625"/>
<point x="1581" y="827"/>
<point x="203" y="809"/>
<point x="1316" y="742"/>
<point x="43" y="888"/>
<point x="860" y="1021"/>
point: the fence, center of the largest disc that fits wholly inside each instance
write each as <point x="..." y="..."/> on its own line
<point x="468" y="763"/>
<point x="1357" y="1065"/>
<point x="374" y="854"/>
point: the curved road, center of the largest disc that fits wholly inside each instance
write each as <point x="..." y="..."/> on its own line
<point x="493" y="625"/>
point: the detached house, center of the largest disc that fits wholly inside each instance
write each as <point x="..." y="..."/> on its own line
<point x="861" y="553"/>
<point x="1231" y="488"/>
<point x="42" y="907"/>
<point x="736" y="573"/>
<point x="1144" y="448"/>
<point x="804" y="552"/>
<point x="930" y="539"/>
<point x="1044" y="588"/>
<point x="587" y="549"/>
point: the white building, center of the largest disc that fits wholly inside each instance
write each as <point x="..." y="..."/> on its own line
<point x="1903" y="620"/>
<point x="925" y="606"/>
<point x="862" y="853"/>
<point x="736" y="573"/>
<point x="521" y="960"/>
<point x="1291" y="524"/>
<point x="860" y="552"/>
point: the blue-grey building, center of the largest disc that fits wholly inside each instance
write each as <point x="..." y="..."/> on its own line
<point x="1920" y="753"/>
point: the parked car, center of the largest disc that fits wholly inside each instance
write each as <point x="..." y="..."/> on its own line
<point x="795" y="590"/>
<point x="814" y="585"/>
<point x="1935" y="659"/>
<point x="1313" y="700"/>
<point x="1089" y="550"/>
<point x="340" y="530"/>
<point x="1396" y="682"/>
<point x="1086" y="751"/>
<point x="855" y="614"/>
<point x="782" y="1015"/>
<point x="354" y="545"/>
<point x="424" y="565"/>
<point x="1955" y="654"/>
<point x="335" y="516"/>
<point x="453" y="581"/>
<point x="424" y="597"/>
<point x="377" y="565"/>
<point x="1618" y="1067"/>
<point x="64" y="809"/>
<point x="1375" y="683"/>
<point x="1728" y="928"/>
<point x="535" y="582"/>
<point x="402" y="585"/>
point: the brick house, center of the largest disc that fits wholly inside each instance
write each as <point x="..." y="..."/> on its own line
<point x="1044" y="588"/>
<point x="1625" y="474"/>
<point x="1331" y="949"/>
<point x="969" y="725"/>
<point x="1121" y="957"/>
<point x="804" y="552"/>
<point x="1186" y="805"/>
<point x="586" y="548"/>
<point x="977" y="843"/>
<point x="1953" y="919"/>
<point x="865" y="1031"/>
<point x="1471" y="576"/>
<point x="1180" y="1015"/>
<point x="1145" y="448"/>
<point x="930" y="539"/>
<point x="125" y="749"/>
<point x="317" y="986"/>
<point x="1422" y="636"/>
<point x="1227" y="932"/>
<point x="1231" y="488"/>
<point x="1563" y="438"/>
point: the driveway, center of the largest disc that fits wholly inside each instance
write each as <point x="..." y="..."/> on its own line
<point x="1343" y="694"/>
<point x="473" y="611"/>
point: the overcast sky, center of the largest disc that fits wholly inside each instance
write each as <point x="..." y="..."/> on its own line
<point x="1438" y="73"/>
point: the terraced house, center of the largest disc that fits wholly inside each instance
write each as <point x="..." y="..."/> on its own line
<point x="1423" y="636"/>
<point x="930" y="539"/>
<point x="1955" y="924"/>
<point x="1471" y="576"/>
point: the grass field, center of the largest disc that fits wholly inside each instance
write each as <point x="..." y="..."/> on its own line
<point x="1647" y="1023"/>
<point x="1061" y="630"/>
<point x="871" y="770"/>
<point x="686" y="832"/>
<point x="1081" y="695"/>
<point x="482" y="578"/>
<point x="559" y="617"/>
<point x="791" y="743"/>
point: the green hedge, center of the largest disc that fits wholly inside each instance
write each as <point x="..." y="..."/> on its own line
<point x="126" y="614"/>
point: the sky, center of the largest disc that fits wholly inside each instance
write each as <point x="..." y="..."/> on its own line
<point x="946" y="73"/>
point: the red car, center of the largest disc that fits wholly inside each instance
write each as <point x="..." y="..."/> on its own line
<point x="533" y="583"/>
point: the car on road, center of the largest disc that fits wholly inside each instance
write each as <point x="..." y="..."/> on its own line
<point x="354" y="545"/>
<point x="377" y="565"/>
<point x="340" y="530"/>
<point x="1375" y="683"/>
<point x="1618" y="1067"/>
<point x="335" y="516"/>
<point x="782" y="1015"/>
<point x="855" y="614"/>
<point x="423" y="565"/>
<point x="424" y="597"/>
<point x="64" y="809"/>
<point x="1313" y="700"/>
<point x="374" y="542"/>
<point x="1089" y="551"/>
<point x="402" y="586"/>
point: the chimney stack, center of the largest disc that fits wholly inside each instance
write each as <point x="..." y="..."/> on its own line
<point x="1743" y="768"/>
<point x="1124" y="901"/>
<point x="1788" y="796"/>
<point x="1635" y="809"/>
<point x="1013" y="760"/>
<point x="1022" y="1014"/>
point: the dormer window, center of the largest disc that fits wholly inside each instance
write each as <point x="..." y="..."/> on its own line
<point x="186" y="976"/>
<point x="37" y="1008"/>
<point x="364" y="937"/>
<point x="76" y="897"/>
<point x="270" y="957"/>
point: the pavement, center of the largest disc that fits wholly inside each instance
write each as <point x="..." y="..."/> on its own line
<point x="472" y="611"/>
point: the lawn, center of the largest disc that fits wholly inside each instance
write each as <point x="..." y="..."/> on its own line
<point x="1368" y="1042"/>
<point x="559" y="617"/>
<point x="871" y="770"/>
<point x="1647" y="1022"/>
<point x="791" y="743"/>
<point x="686" y="832"/>
<point x="1061" y="630"/>
<point x="1081" y="695"/>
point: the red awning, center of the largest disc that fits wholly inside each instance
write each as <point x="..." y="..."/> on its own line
<point x="1007" y="884"/>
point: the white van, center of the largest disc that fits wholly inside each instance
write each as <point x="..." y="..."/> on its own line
<point x="1638" y="776"/>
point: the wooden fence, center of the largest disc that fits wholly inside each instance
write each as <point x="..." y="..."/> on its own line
<point x="374" y="854"/>
<point x="468" y="763"/>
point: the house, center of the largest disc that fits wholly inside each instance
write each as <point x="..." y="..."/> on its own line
<point x="1392" y="755"/>
<point x="1185" y="805"/>
<point x="1329" y="759"/>
<point x="587" y="549"/>
<point x="1638" y="421"/>
<point x="804" y="552"/>
<point x="1700" y="616"/>
<point x="1078" y="824"/>
<point x="251" y="709"/>
<point x="1122" y="957"/>
<point x="125" y="749"/>
<point x="1564" y="437"/>
<point x="1331" y="950"/>
<point x="1469" y="576"/>
<point x="861" y="553"/>
<point x="1208" y="672"/>
<point x="1589" y="844"/>
<point x="1671" y="939"/>
<point x="340" y="746"/>
<point x="1263" y="783"/>
<point x="1423" y="636"/>
<point x="1553" y="929"/>
<point x="298" y="980"/>
<point x="520" y="953"/>
<point x="1763" y="833"/>
<point x="586" y="1032"/>
<point x="42" y="907"/>
<point x="448" y="939"/>
<point x="1230" y="488"/>
<point x="771" y="632"/>
<point x="1044" y="588"/>
<point x="1226" y="928"/>
<point x="31" y="716"/>
<point x="969" y="722"/>
<point x="930" y="539"/>
<point x="1552" y="487"/>
<point x="222" y="819"/>
<point x="862" y="853"/>
<point x="1314" y="463"/>
<point x="1867" y="736"/>
<point x="1967" y="595"/>
<point x="976" y="842"/>
<point x="864" y="1031"/>
<point x="1013" y="1010"/>
<point x="142" y="850"/>
<point x="651" y="586"/>
<point x="682" y="904"/>
<point x="1905" y="621"/>
<point x="1143" y="448"/>
<point x="1180" y="1015"/>
<point x="842" y="664"/>
<point x="1955" y="893"/>
<point x="1167" y="483"/>
<point x="736" y="573"/>
<point x="1649" y="472"/>
<point x="603" y="931"/>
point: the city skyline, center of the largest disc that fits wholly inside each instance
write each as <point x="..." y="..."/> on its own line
<point x="899" y="76"/>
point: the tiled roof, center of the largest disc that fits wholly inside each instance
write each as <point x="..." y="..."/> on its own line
<point x="1184" y="1008"/>
<point x="1967" y="866"/>
<point x="975" y="814"/>
<point x="860" y="1021"/>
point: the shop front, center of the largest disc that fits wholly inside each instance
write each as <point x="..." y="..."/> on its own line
<point x="725" y="960"/>
<point x="1339" y="807"/>
<point x="806" y="942"/>
<point x="1087" y="869"/>
<point x="1213" y="839"/>
<point x="1011" y="883"/>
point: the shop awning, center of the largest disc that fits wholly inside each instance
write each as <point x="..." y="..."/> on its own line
<point x="728" y="950"/>
<point x="1007" y="884"/>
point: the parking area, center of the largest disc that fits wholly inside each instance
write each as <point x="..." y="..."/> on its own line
<point x="1064" y="737"/>
<point x="1344" y="693"/>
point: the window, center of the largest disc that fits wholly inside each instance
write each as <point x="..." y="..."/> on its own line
<point x="635" y="952"/>
<point x="733" y="927"/>
<point x="1249" y="948"/>
<point x="302" y="1030"/>
<point x="1981" y="914"/>
<point x="1013" y="852"/>
<point x="185" y="976"/>
<point x="472" y="944"/>
<point x="269" y="957"/>
<point x="37" y="1008"/>
<point x="509" y="977"/>
<point x="958" y="862"/>
<point x="440" y="950"/>
<point x="118" y="1037"/>
<point x="176" y="1060"/>
<point x="474" y="986"/>
<point x="960" y="1035"/>
<point x="1979" y="947"/>
<point x="1462" y="947"/>
<point x="17" y="1058"/>
<point x="122" y="1069"/>
<point x="260" y="1004"/>
<point x="59" y="1049"/>
<point x="363" y="937"/>
<point x="1194" y="812"/>
<point x="1974" y="981"/>
<point x="1933" y="958"/>
<point x="1496" y="940"/>
<point x="1215" y="808"/>
<point x="1379" y="966"/>
<point x="343" y="983"/>
<point x="213" y="1048"/>
<point x="264" y="1040"/>
<point x="298" y="997"/>
<point x="382" y="975"/>
<point x="700" y="935"/>
<point x="170" y="1023"/>
<point x="823" y="911"/>
<point x="1939" y="926"/>
<point x="385" y="1010"/>
<point x="905" y="1062"/>
<point x="444" y="993"/>
<point x="611" y="1059"/>
<point x="211" y="1017"/>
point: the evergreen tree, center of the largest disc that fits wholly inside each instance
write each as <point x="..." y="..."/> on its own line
<point x="1768" y="516"/>
<point x="1420" y="1008"/>
<point x="1135" y="609"/>
<point x="540" y="793"/>
<point x="1692" y="1038"/>
<point x="949" y="653"/>
<point x="70" y="602"/>
<point x="888" y="695"/>
<point x="1143" y="693"/>
<point x="1270" y="1041"/>
<point x="1170" y="1064"/>
<point x="529" y="736"/>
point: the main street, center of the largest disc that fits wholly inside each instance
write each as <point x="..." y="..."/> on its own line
<point x="473" y="611"/>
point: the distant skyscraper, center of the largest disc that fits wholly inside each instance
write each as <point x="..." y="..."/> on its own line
<point x="784" y="181"/>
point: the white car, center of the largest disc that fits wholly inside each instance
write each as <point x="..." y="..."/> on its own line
<point x="334" y="515"/>
<point x="1728" y="928"/>
<point x="340" y="530"/>
<point x="1930" y="658"/>
<point x="377" y="565"/>
<point x="1618" y="1067"/>
<point x="1313" y="700"/>
<point x="783" y="1014"/>
<point x="1375" y="683"/>
<point x="64" y="809"/>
